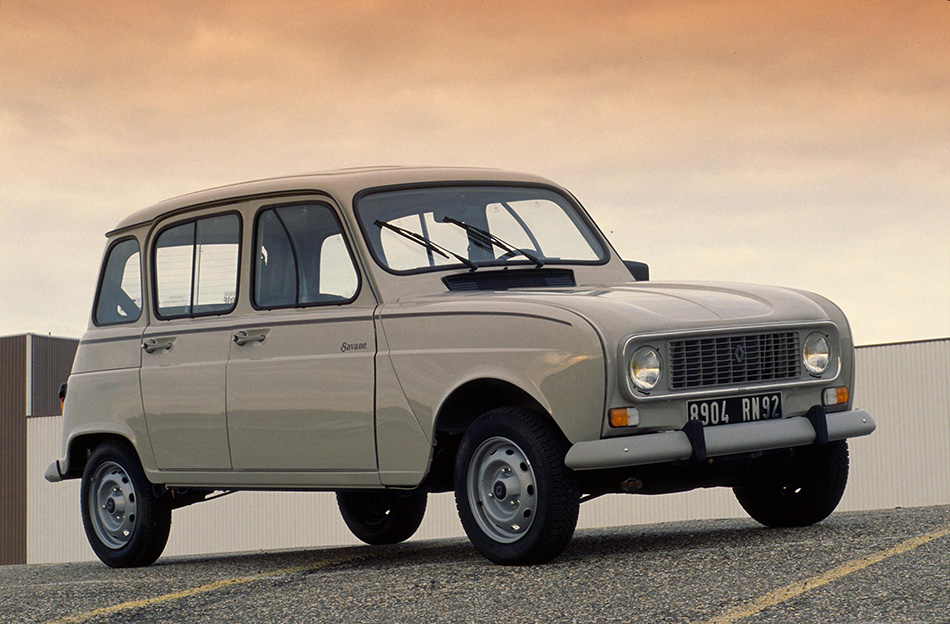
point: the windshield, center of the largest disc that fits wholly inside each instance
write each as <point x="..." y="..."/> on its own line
<point x="422" y="229"/>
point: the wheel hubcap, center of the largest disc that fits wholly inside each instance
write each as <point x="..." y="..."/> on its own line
<point x="502" y="490"/>
<point x="112" y="505"/>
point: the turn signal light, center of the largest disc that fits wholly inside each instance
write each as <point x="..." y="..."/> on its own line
<point x="835" y="396"/>
<point x="624" y="417"/>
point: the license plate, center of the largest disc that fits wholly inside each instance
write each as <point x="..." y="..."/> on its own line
<point x="712" y="412"/>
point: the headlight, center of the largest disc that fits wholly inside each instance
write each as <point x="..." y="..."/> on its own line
<point x="645" y="368"/>
<point x="816" y="354"/>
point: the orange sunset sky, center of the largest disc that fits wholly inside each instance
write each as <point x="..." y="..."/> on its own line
<point x="803" y="143"/>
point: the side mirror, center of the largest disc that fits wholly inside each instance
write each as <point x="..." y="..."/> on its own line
<point x="639" y="270"/>
<point x="62" y="397"/>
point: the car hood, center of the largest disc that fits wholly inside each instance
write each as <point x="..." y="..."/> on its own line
<point x="647" y="307"/>
<point x="682" y="305"/>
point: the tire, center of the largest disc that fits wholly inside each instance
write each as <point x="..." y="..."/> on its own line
<point x="806" y="493"/>
<point x="386" y="517"/>
<point x="517" y="501"/>
<point x="125" y="523"/>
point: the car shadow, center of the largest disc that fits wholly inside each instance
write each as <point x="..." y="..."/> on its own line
<point x="586" y="544"/>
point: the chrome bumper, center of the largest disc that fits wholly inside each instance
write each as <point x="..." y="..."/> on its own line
<point x="656" y="448"/>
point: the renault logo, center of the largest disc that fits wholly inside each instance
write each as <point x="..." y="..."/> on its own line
<point x="739" y="354"/>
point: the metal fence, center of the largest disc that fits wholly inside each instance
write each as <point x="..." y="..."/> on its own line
<point x="905" y="463"/>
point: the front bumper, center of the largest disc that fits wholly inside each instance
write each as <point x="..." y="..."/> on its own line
<point x="668" y="446"/>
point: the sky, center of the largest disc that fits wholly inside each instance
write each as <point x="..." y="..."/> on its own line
<point x="798" y="143"/>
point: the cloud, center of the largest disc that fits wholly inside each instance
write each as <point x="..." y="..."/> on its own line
<point x="726" y="114"/>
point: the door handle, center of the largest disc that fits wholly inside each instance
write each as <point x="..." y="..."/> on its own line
<point x="242" y="338"/>
<point x="152" y="345"/>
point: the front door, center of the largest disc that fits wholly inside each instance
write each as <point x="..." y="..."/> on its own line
<point x="300" y="375"/>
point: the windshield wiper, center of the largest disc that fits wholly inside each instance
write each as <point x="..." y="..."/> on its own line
<point x="425" y="242"/>
<point x="489" y="239"/>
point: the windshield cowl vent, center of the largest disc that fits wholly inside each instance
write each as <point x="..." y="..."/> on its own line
<point x="510" y="279"/>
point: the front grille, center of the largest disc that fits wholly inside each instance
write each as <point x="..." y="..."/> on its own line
<point x="706" y="362"/>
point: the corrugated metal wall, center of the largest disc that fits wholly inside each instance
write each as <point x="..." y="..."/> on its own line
<point x="13" y="356"/>
<point x="906" y="462"/>
<point x="50" y="362"/>
<point x="906" y="387"/>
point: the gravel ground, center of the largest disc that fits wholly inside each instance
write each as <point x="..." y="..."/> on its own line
<point x="675" y="572"/>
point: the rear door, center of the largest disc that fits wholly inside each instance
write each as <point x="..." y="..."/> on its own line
<point x="195" y="264"/>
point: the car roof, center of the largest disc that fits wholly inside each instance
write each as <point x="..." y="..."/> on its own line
<point x="342" y="184"/>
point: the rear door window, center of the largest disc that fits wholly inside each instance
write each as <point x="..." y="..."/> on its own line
<point x="196" y="267"/>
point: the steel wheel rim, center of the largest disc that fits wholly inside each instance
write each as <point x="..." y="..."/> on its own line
<point x="112" y="504"/>
<point x="502" y="490"/>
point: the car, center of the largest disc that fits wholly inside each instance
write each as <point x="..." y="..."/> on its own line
<point x="386" y="333"/>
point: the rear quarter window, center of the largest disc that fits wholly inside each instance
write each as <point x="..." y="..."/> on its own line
<point x="119" y="299"/>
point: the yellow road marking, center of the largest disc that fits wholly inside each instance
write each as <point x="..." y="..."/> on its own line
<point x="194" y="591"/>
<point x="784" y="594"/>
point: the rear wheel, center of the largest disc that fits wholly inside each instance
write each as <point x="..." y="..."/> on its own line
<point x="517" y="501"/>
<point x="126" y="524"/>
<point x="806" y="492"/>
<point x="387" y="517"/>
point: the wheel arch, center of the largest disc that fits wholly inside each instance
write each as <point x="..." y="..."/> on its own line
<point x="475" y="397"/>
<point x="457" y="413"/>
<point x="81" y="447"/>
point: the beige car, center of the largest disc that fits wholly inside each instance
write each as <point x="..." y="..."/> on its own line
<point x="386" y="333"/>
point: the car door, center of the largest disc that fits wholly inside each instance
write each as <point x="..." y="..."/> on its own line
<point x="301" y="373"/>
<point x="195" y="264"/>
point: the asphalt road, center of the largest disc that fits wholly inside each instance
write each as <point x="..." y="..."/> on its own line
<point x="868" y="567"/>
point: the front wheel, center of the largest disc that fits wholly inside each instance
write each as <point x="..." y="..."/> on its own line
<point x="126" y="524"/>
<point x="805" y="492"/>
<point x="386" y="517"/>
<point x="517" y="501"/>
